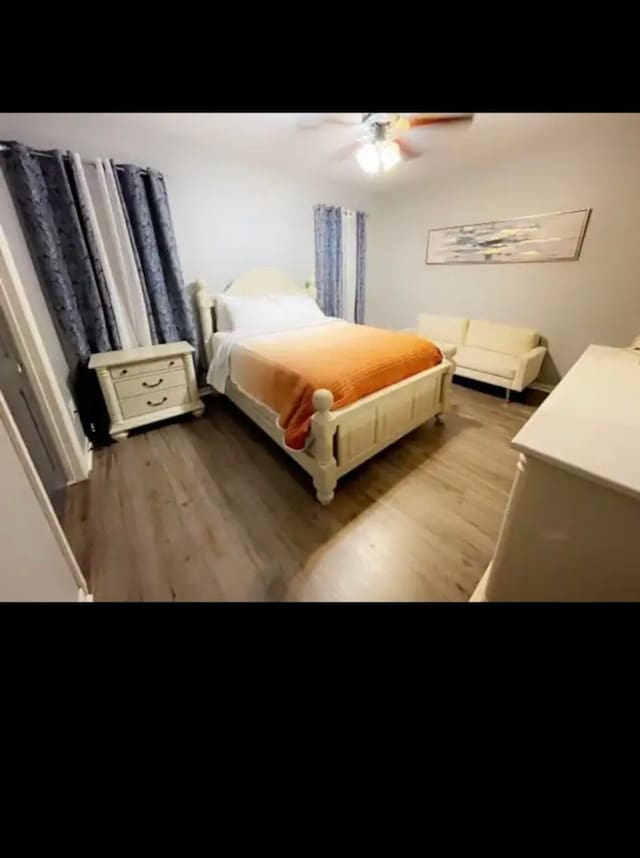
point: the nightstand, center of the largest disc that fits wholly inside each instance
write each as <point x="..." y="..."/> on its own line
<point x="148" y="384"/>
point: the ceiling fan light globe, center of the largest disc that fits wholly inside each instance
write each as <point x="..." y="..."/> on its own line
<point x="368" y="159"/>
<point x="378" y="156"/>
<point x="390" y="154"/>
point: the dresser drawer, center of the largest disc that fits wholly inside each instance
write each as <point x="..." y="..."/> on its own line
<point x="154" y="401"/>
<point x="147" y="366"/>
<point x="150" y="383"/>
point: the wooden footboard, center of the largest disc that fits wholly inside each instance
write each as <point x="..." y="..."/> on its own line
<point x="343" y="439"/>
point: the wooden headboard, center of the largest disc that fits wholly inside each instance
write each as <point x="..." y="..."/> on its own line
<point x="253" y="283"/>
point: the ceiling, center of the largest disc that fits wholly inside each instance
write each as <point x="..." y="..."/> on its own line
<point x="277" y="140"/>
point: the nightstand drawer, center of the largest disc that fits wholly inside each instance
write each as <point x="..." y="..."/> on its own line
<point x="150" y="383"/>
<point x="135" y="369"/>
<point x="154" y="401"/>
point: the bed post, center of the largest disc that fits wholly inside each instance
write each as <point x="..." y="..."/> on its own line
<point x="323" y="425"/>
<point x="204" y="303"/>
<point x="447" y="382"/>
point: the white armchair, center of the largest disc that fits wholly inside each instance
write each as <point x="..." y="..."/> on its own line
<point x="498" y="354"/>
<point x="528" y="367"/>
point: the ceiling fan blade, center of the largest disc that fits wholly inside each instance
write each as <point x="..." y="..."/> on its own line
<point x="422" y="121"/>
<point x="407" y="152"/>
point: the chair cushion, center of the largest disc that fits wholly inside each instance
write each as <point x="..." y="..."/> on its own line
<point x="500" y="338"/>
<point x="484" y="360"/>
<point x="448" y="329"/>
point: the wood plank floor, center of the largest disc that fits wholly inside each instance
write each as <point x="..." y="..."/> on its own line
<point x="212" y="509"/>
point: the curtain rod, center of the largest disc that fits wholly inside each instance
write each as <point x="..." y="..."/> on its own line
<point x="42" y="154"/>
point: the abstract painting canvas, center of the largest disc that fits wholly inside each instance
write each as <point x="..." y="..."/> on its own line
<point x="538" y="238"/>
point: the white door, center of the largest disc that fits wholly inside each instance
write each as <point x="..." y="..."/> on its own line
<point x="25" y="409"/>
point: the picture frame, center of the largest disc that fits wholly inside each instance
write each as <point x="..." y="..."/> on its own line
<point x="549" y="237"/>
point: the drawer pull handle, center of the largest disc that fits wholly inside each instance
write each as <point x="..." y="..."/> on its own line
<point x="123" y="372"/>
<point x="171" y="362"/>
<point x="146" y="383"/>
<point x="162" y="401"/>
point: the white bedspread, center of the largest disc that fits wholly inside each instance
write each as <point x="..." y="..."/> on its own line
<point x="223" y="343"/>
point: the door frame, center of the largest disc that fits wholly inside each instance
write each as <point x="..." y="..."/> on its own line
<point x="75" y="460"/>
<point x="18" y="444"/>
<point x="20" y="395"/>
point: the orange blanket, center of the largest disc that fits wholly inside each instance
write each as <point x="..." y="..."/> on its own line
<point x="352" y="361"/>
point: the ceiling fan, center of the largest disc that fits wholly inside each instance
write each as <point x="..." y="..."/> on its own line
<point x="385" y="139"/>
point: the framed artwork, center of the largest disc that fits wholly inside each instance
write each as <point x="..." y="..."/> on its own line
<point x="551" y="237"/>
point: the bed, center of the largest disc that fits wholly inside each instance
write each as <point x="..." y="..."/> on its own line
<point x="331" y="439"/>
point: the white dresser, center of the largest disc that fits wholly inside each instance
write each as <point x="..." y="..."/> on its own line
<point x="148" y="384"/>
<point x="571" y="530"/>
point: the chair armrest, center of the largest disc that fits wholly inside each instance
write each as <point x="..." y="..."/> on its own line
<point x="449" y="352"/>
<point x="528" y="369"/>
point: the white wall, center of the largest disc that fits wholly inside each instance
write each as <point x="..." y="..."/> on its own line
<point x="228" y="215"/>
<point x="595" y="299"/>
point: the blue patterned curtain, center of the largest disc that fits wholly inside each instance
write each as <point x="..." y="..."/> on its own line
<point x="63" y="247"/>
<point x="64" y="252"/>
<point x="145" y="199"/>
<point x="361" y="266"/>
<point x="136" y="256"/>
<point x="329" y="267"/>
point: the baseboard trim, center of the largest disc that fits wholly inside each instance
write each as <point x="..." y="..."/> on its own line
<point x="88" y="461"/>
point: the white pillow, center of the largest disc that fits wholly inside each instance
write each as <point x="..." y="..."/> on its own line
<point x="299" y="308"/>
<point x="251" y="314"/>
<point x="265" y="312"/>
